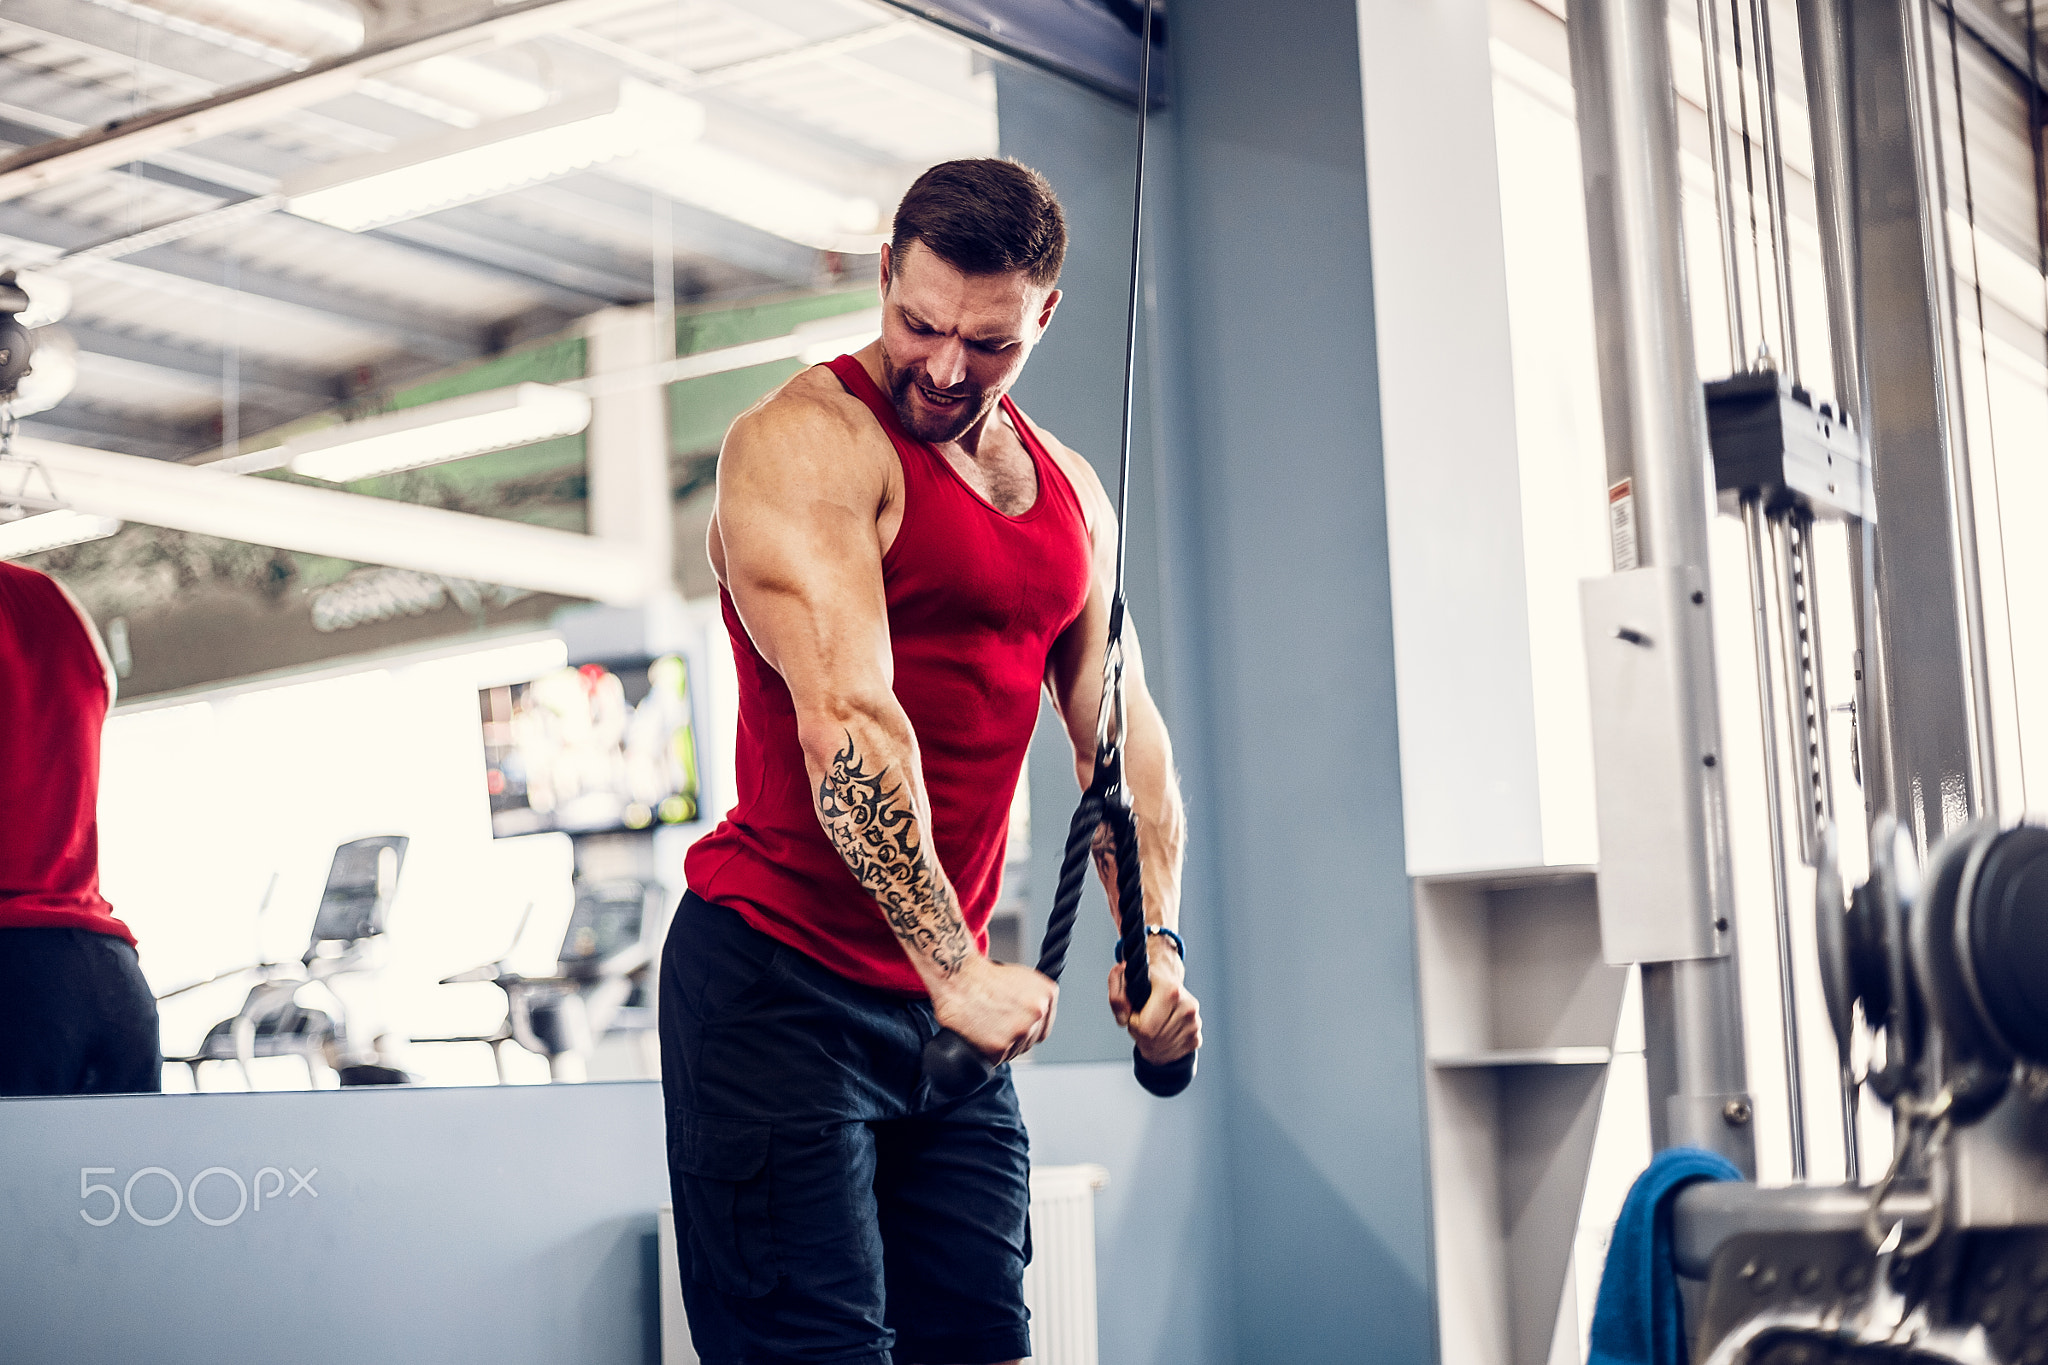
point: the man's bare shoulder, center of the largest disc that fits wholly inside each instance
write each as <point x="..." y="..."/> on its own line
<point x="809" y="420"/>
<point x="1095" y="504"/>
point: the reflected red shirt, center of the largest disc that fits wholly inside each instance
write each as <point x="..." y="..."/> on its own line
<point x="976" y="599"/>
<point x="53" y="704"/>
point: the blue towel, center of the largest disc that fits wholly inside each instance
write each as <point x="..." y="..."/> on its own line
<point x="1637" y="1320"/>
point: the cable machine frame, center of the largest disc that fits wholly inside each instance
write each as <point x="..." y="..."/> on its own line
<point x="1893" y="448"/>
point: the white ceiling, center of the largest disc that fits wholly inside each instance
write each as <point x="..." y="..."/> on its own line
<point x="845" y="99"/>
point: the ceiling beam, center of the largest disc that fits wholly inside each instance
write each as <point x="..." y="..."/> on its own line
<point x="205" y="360"/>
<point x="446" y="341"/>
<point x="603" y="198"/>
<point x="170" y="64"/>
<point x="570" y="274"/>
<point x="60" y="424"/>
<point x="329" y="522"/>
<point x="162" y="130"/>
<point x="124" y="426"/>
<point x="567" y="275"/>
<point x="439" y="339"/>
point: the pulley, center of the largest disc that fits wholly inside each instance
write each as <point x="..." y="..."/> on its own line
<point x="17" y="348"/>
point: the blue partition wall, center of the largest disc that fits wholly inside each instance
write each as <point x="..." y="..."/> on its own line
<point x="1282" y="1209"/>
<point x="504" y="1226"/>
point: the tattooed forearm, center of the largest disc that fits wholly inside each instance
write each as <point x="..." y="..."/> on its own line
<point x="875" y="829"/>
<point x="1102" y="848"/>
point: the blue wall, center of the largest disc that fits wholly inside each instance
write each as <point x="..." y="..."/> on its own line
<point x="512" y="1225"/>
<point x="1319" y="1031"/>
<point x="1303" y="1232"/>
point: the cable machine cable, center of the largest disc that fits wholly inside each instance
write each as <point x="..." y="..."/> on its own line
<point x="1774" y="182"/>
<point x="1781" y="526"/>
<point x="1762" y="359"/>
<point x="1724" y="189"/>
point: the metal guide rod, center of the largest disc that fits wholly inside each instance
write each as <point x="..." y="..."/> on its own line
<point x="1774" y="181"/>
<point x="1756" y="531"/>
<point x="1823" y="42"/>
<point x="1962" y="484"/>
<point x="1724" y="193"/>
<point x="1805" y="719"/>
<point x="1655" y="423"/>
<point x="1923" y="638"/>
<point x="1826" y="68"/>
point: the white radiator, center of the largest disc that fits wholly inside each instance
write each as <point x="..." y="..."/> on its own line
<point x="1059" y="1284"/>
<point x="675" y="1327"/>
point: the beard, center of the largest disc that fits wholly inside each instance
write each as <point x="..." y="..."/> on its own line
<point x="935" y="428"/>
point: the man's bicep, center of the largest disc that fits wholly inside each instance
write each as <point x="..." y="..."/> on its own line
<point x="804" y="566"/>
<point x="1073" y="674"/>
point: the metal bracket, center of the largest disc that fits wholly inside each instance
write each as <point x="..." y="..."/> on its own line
<point x="1655" y="763"/>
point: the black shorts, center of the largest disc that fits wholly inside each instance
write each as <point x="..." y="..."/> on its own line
<point x="828" y="1210"/>
<point x="76" y="1015"/>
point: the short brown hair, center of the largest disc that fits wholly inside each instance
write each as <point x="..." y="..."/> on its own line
<point x="985" y="216"/>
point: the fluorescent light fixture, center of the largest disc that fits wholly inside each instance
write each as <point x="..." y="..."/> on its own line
<point x="49" y="298"/>
<point x="49" y="530"/>
<point x="473" y="424"/>
<point x="465" y="165"/>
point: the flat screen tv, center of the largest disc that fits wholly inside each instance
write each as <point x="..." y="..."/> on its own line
<point x="598" y="748"/>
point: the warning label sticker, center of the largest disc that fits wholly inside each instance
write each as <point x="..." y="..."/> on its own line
<point x="1621" y="523"/>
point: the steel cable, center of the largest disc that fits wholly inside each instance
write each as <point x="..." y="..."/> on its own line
<point x="1724" y="188"/>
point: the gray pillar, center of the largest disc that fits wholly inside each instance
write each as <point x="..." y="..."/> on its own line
<point x="1655" y="424"/>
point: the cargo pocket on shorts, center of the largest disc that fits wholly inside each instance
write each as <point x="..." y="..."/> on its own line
<point x="722" y="1174"/>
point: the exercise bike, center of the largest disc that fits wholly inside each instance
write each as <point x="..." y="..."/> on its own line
<point x="603" y="983"/>
<point x="273" y="1022"/>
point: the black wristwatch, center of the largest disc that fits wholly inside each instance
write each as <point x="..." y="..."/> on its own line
<point x="1180" y="948"/>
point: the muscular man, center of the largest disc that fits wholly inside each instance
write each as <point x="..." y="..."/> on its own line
<point x="76" y="1015"/>
<point x="905" y="560"/>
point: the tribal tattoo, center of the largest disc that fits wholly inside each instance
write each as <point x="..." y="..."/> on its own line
<point x="875" y="829"/>
<point x="1102" y="848"/>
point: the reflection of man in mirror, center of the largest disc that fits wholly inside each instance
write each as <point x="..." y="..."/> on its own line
<point x="905" y="560"/>
<point x="76" y="1016"/>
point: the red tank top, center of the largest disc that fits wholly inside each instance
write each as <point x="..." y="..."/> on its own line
<point x="53" y="703"/>
<point x="976" y="599"/>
